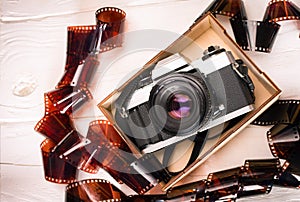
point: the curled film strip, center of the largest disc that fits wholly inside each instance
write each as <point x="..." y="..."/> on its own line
<point x="114" y="18"/>
<point x="253" y="35"/>
<point x="54" y="126"/>
<point x="279" y="10"/>
<point x="264" y="171"/>
<point x="254" y="177"/>
<point x="70" y="151"/>
<point x="82" y="40"/>
<point x="55" y="168"/>
<point x="250" y="35"/>
<point x="283" y="137"/>
<point x="98" y="190"/>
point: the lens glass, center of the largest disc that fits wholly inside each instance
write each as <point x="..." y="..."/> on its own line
<point x="180" y="106"/>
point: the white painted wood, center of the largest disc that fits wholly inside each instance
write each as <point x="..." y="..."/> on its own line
<point x="33" y="45"/>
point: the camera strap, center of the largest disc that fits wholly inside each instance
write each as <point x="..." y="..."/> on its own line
<point x="198" y="139"/>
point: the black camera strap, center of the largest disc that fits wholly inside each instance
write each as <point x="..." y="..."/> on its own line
<point x="198" y="140"/>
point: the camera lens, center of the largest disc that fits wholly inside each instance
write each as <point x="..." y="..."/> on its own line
<point x="179" y="103"/>
<point x="180" y="106"/>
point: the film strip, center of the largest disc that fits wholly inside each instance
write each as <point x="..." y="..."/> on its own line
<point x="113" y="17"/>
<point x="82" y="40"/>
<point x="54" y="126"/>
<point x="284" y="136"/>
<point x="253" y="35"/>
<point x="79" y="42"/>
<point x="279" y="10"/>
<point x="65" y="151"/>
<point x="66" y="99"/>
<point x="254" y="177"/>
<point x="93" y="190"/>
<point x="250" y="35"/>
<point x="229" y="8"/>
<point x="81" y="56"/>
<point x="56" y="169"/>
<point x="264" y="171"/>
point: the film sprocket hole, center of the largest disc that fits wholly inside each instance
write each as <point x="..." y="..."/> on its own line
<point x="165" y="105"/>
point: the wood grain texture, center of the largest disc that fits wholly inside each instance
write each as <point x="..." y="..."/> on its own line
<point x="33" y="38"/>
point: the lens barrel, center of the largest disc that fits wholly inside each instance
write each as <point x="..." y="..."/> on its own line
<point x="179" y="103"/>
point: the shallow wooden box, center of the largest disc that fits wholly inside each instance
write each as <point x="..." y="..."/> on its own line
<point x="203" y="33"/>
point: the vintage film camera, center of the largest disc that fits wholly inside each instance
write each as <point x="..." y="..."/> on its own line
<point x="162" y="106"/>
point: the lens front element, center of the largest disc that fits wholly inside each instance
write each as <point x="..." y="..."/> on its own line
<point x="180" y="106"/>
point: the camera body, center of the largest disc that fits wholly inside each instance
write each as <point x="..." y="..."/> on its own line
<point x="162" y="106"/>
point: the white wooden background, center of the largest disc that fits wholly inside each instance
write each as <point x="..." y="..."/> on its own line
<point x="32" y="55"/>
